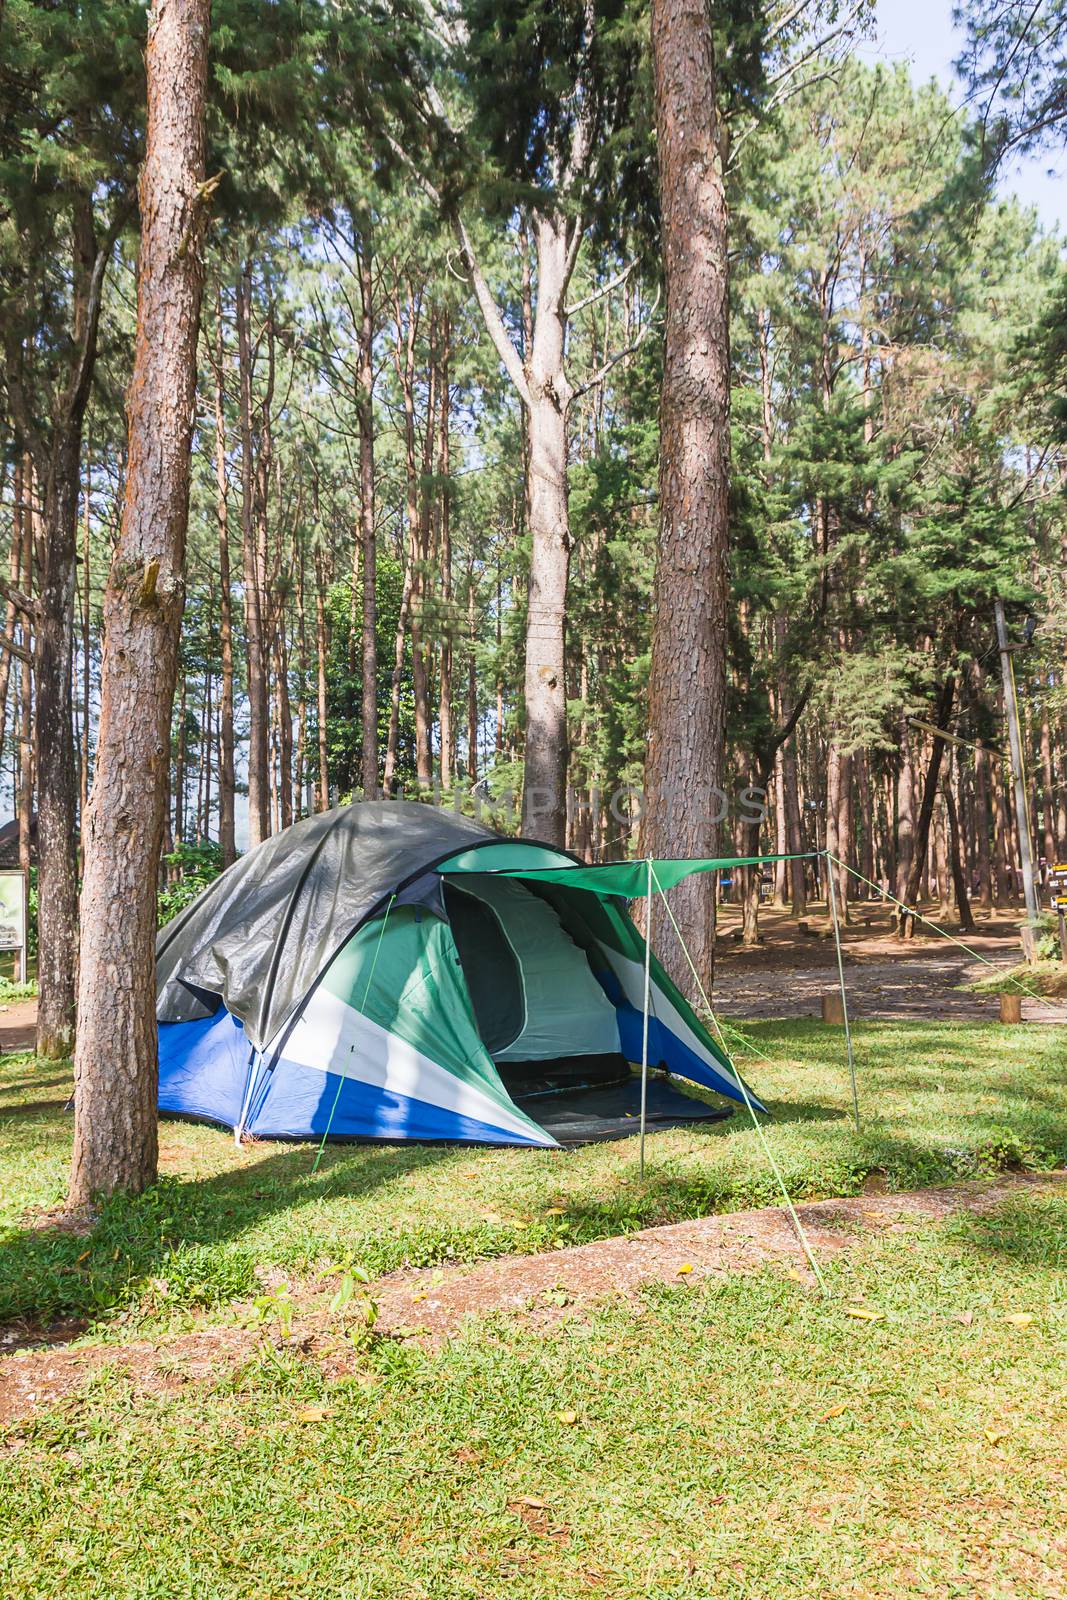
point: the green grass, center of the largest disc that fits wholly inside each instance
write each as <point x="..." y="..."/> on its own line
<point x="1045" y="977"/>
<point x="737" y="1439"/>
<point x="938" y="1102"/>
<point x="10" y="990"/>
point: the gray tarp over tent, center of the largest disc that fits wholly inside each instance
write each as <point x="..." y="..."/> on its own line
<point x="261" y="933"/>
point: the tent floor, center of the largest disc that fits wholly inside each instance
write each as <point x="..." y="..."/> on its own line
<point x="613" y="1110"/>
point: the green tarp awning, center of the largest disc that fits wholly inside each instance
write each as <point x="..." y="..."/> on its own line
<point x="630" y="878"/>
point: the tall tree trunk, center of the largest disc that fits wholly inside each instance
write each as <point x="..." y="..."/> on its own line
<point x="27" y="762"/>
<point x="472" y="683"/>
<point x="983" y="864"/>
<point x="254" y="580"/>
<point x="422" y="504"/>
<point x="57" y="784"/>
<point x="446" y="727"/>
<point x="302" y="680"/>
<point x="906" y="922"/>
<point x="365" y="424"/>
<point x="687" y="688"/>
<point x="959" y="877"/>
<point x="839" y="821"/>
<point x="942" y="877"/>
<point x="227" y="777"/>
<point x="321" y="651"/>
<point x="179" y="769"/>
<point x="544" y="794"/>
<point x="1048" y="791"/>
<point x="19" y="520"/>
<point x="83" y="752"/>
<point x="116" y="1070"/>
<point x="393" y="737"/>
<point x="285" y="724"/>
<point x="905" y="831"/>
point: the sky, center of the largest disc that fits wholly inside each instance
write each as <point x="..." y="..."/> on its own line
<point x="921" y="33"/>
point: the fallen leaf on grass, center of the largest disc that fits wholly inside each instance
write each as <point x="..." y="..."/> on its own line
<point x="556" y="1211"/>
<point x="532" y="1501"/>
<point x="684" y="1268"/>
<point x="834" y="1411"/>
<point x="314" y="1413"/>
<point x="567" y="1418"/>
<point x="862" y="1314"/>
<point x="421" y="1296"/>
<point x="966" y="1317"/>
<point x="1020" y="1319"/>
<point x="994" y="1435"/>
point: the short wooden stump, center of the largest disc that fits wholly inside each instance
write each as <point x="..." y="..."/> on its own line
<point x="833" y="1009"/>
<point x="1011" y="1008"/>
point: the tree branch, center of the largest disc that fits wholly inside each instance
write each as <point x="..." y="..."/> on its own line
<point x="598" y="294"/>
<point x="17" y="650"/>
<point x="19" y="599"/>
<point x="78" y="390"/>
<point x="620" y="355"/>
<point x="494" y="321"/>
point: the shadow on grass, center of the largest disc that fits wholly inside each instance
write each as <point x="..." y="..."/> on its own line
<point x="11" y="1104"/>
<point x="188" y="1226"/>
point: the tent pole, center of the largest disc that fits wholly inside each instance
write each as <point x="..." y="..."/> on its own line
<point x="832" y="893"/>
<point x="644" y="1022"/>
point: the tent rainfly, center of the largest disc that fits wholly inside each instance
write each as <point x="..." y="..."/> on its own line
<point x="389" y="970"/>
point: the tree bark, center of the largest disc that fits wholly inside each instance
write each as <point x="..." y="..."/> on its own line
<point x="254" y="560"/>
<point x="227" y="777"/>
<point x="446" y="726"/>
<point x="544" y="799"/>
<point x="19" y="520"/>
<point x="368" y="537"/>
<point x="472" y="682"/>
<point x="115" y="1140"/>
<point x="905" y="830"/>
<point x="57" y="784"/>
<point x="687" y="688"/>
<point x="321" y="650"/>
<point x="959" y="877"/>
<point x="83" y="753"/>
<point x="905" y="921"/>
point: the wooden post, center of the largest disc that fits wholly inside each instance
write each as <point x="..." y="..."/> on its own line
<point x="832" y="1010"/>
<point x="1011" y="1008"/>
<point x="1063" y="932"/>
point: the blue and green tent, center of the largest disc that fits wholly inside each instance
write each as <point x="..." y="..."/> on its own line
<point x="389" y="970"/>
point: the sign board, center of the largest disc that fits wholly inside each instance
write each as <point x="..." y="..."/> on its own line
<point x="13" y="913"/>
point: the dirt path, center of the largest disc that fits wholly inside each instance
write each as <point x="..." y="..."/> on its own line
<point x="434" y="1305"/>
<point x="787" y="975"/>
<point x="18" y="1025"/>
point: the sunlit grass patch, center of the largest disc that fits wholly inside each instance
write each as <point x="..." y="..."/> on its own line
<point x="938" y="1102"/>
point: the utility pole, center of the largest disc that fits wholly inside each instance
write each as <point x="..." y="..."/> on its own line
<point x="1022" y="812"/>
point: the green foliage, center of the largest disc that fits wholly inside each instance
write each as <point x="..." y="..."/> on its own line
<point x="1015" y="64"/>
<point x="189" y="868"/>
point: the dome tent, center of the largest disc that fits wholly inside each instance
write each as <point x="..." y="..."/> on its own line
<point x="371" y="973"/>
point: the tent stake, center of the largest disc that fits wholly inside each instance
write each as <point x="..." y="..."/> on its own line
<point x="841" y="978"/>
<point x="644" y="1023"/>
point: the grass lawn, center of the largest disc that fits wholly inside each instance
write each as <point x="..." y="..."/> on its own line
<point x="737" y="1439"/>
<point x="938" y="1102"/>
